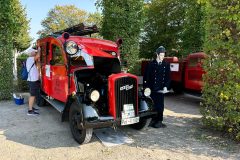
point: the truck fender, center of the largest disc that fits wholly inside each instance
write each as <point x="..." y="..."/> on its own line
<point x="145" y="104"/>
<point x="89" y="113"/>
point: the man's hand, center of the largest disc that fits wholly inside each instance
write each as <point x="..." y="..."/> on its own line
<point x="165" y="89"/>
<point x="37" y="57"/>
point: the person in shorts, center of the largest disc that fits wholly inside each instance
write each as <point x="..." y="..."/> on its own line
<point x="33" y="80"/>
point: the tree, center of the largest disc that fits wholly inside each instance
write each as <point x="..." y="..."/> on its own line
<point x="221" y="92"/>
<point x="21" y="34"/>
<point x="192" y="35"/>
<point x="123" y="19"/>
<point x="12" y="15"/>
<point x="175" y="24"/>
<point x="61" y="17"/>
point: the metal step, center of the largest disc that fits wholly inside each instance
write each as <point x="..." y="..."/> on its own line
<point x="59" y="106"/>
<point x="106" y="118"/>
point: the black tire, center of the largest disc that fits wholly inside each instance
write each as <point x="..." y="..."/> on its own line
<point x="82" y="136"/>
<point x="142" y="124"/>
<point x="177" y="88"/>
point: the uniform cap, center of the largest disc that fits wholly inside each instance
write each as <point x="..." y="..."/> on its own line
<point x="161" y="49"/>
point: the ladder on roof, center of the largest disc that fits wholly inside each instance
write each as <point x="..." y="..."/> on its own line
<point x="79" y="30"/>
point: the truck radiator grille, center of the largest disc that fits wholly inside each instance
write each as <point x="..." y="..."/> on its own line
<point x="125" y="93"/>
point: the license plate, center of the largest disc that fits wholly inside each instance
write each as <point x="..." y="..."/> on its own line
<point x="128" y="115"/>
<point x="127" y="107"/>
<point x="128" y="121"/>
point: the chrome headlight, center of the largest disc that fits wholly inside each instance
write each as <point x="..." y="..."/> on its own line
<point x="147" y="92"/>
<point x="94" y="95"/>
<point x="71" y="47"/>
<point x="113" y="53"/>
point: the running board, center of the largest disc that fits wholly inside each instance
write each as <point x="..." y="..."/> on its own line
<point x="106" y="118"/>
<point x="59" y="106"/>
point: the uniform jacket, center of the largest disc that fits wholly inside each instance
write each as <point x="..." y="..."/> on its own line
<point x="156" y="75"/>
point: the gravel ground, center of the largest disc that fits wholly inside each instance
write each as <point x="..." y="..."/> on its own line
<point x="45" y="137"/>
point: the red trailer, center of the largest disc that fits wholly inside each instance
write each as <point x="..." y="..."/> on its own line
<point x="186" y="74"/>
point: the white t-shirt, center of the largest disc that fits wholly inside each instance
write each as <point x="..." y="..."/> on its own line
<point x="33" y="73"/>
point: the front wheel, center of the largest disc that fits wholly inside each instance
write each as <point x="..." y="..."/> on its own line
<point x="80" y="135"/>
<point x="142" y="124"/>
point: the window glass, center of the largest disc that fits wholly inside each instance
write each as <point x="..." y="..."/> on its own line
<point x="57" y="55"/>
<point x="82" y="59"/>
<point x="43" y="54"/>
<point x="193" y="62"/>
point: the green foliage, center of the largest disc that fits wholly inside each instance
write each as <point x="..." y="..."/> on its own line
<point x="21" y="35"/>
<point x="6" y="47"/>
<point x="192" y="35"/>
<point x="11" y="22"/>
<point x="221" y="92"/>
<point x="123" y="19"/>
<point x="175" y="24"/>
<point x="61" y="17"/>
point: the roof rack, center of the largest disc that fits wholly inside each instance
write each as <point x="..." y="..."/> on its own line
<point x="79" y="30"/>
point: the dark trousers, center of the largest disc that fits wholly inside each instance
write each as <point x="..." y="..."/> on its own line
<point x="158" y="99"/>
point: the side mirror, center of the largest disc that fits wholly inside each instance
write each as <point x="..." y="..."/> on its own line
<point x="119" y="42"/>
<point x="52" y="62"/>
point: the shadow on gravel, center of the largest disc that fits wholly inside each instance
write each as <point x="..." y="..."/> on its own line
<point x="186" y="135"/>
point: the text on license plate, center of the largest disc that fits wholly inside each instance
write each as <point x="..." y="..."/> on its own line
<point x="127" y="121"/>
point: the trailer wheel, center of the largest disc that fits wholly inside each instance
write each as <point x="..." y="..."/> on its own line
<point x="142" y="124"/>
<point x="177" y="88"/>
<point x="80" y="135"/>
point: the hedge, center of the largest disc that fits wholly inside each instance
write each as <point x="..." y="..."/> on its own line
<point x="221" y="92"/>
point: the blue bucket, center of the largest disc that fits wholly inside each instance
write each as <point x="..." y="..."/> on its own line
<point x="19" y="101"/>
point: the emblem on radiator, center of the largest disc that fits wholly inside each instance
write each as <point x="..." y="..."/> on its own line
<point x="126" y="87"/>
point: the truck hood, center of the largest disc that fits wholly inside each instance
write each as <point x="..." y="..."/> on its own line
<point x="96" y="47"/>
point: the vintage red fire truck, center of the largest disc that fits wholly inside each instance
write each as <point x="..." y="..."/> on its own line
<point x="81" y="77"/>
<point x="186" y="74"/>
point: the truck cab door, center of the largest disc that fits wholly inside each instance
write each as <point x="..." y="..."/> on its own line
<point x="45" y="76"/>
<point x="59" y="79"/>
<point x="193" y="74"/>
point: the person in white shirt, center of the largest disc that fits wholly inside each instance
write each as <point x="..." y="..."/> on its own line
<point x="33" y="80"/>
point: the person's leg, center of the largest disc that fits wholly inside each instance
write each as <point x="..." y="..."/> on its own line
<point x="156" y="101"/>
<point x="31" y="102"/>
<point x="33" y="93"/>
<point x="159" y="107"/>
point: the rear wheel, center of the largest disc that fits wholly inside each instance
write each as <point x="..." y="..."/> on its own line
<point x="177" y="88"/>
<point x="80" y="135"/>
<point x="142" y="124"/>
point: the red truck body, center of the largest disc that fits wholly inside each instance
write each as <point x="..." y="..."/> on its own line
<point x="186" y="74"/>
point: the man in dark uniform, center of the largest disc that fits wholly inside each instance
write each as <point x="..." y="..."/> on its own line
<point x="157" y="78"/>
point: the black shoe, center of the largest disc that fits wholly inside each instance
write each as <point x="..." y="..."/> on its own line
<point x="159" y="125"/>
<point x="32" y="113"/>
<point x="151" y="123"/>
<point x="35" y="109"/>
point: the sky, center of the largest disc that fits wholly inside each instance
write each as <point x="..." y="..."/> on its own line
<point x="37" y="10"/>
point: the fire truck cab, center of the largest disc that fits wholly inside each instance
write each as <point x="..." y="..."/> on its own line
<point x="81" y="77"/>
<point x="186" y="74"/>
